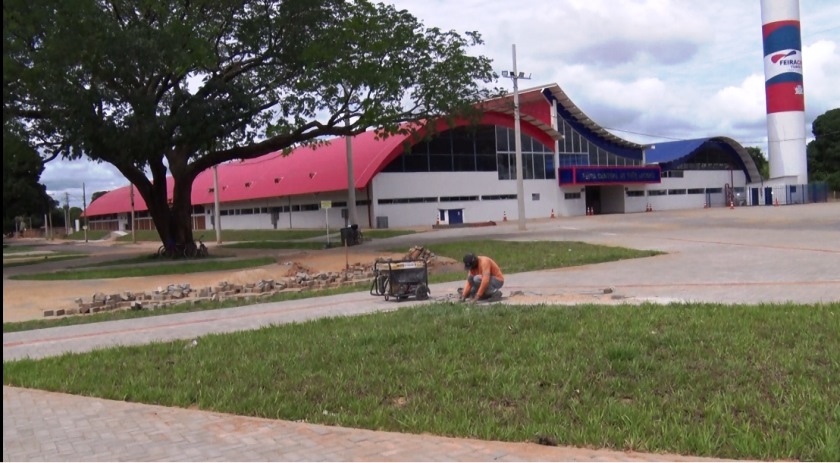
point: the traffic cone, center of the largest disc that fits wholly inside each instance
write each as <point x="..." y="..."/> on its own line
<point x="504" y="216"/>
<point x="705" y="205"/>
<point x="437" y="220"/>
<point x="648" y="209"/>
<point x="588" y="211"/>
<point x="776" y="203"/>
<point x="731" y="204"/>
<point x="552" y="213"/>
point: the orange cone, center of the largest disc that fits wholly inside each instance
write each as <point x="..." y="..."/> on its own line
<point x="437" y="220"/>
<point x="705" y="205"/>
<point x="552" y="213"/>
<point x="731" y="204"/>
<point x="777" y="202"/>
<point x="504" y="216"/>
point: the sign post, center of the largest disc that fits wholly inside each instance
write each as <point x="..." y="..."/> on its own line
<point x="326" y="205"/>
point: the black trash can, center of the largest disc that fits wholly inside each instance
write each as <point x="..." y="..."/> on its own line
<point x="350" y="235"/>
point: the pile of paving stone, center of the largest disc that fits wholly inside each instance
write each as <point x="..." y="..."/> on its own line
<point x="183" y="293"/>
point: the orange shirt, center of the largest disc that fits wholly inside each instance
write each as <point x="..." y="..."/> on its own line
<point x="487" y="268"/>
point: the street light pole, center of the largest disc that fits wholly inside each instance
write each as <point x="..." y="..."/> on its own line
<point x="133" y="223"/>
<point x="520" y="185"/>
<point x="216" y="215"/>
<point x="351" y="182"/>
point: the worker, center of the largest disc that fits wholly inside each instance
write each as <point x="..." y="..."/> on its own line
<point x="484" y="279"/>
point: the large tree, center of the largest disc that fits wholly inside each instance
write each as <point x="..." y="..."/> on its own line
<point x="23" y="195"/>
<point x="178" y="86"/>
<point x="824" y="150"/>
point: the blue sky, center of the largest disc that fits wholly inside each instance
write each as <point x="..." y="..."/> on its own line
<point x="648" y="70"/>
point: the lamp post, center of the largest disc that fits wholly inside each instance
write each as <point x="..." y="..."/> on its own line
<point x="520" y="186"/>
<point x="216" y="214"/>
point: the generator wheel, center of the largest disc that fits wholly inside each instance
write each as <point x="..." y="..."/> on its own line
<point x="381" y="283"/>
<point x="422" y="292"/>
<point x="386" y="288"/>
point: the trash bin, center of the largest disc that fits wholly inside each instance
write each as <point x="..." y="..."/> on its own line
<point x="350" y="236"/>
<point x="381" y="222"/>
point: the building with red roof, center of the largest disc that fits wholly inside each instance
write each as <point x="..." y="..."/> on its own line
<point x="465" y="173"/>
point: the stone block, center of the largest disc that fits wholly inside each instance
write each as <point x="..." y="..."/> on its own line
<point x="49" y="313"/>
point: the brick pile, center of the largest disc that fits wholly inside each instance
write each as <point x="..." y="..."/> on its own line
<point x="184" y="294"/>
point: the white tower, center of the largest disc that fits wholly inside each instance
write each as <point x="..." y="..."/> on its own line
<point x="784" y="90"/>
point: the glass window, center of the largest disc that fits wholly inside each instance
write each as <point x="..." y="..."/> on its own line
<point x="528" y="166"/>
<point x="463" y="149"/>
<point x="501" y="138"/>
<point x="506" y="170"/>
<point x="416" y="162"/>
<point x="549" y="166"/>
<point x="485" y="140"/>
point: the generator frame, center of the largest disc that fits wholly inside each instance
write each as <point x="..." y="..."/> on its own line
<point x="401" y="279"/>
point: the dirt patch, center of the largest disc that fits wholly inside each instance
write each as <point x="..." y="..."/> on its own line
<point x="27" y="300"/>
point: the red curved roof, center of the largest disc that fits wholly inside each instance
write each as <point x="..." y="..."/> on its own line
<point x="305" y="170"/>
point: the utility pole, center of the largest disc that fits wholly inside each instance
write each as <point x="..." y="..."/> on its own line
<point x="351" y="183"/>
<point x="133" y="235"/>
<point x="47" y="226"/>
<point x="84" y="211"/>
<point x="216" y="215"/>
<point x="66" y="213"/>
<point x="520" y="186"/>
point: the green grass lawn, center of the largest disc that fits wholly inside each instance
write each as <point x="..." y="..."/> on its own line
<point x="40" y="259"/>
<point x="92" y="235"/>
<point x="167" y="267"/>
<point x="753" y="382"/>
<point x="278" y="245"/>
<point x="17" y="249"/>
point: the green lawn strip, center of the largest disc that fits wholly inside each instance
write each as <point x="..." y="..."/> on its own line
<point x="40" y="259"/>
<point x="233" y="235"/>
<point x="264" y="235"/>
<point x="526" y="256"/>
<point x="15" y="249"/>
<point x="11" y="327"/>
<point x="168" y="268"/>
<point x="92" y="235"/>
<point x="148" y="258"/>
<point x="277" y="245"/>
<point x="385" y="233"/>
<point x="695" y="379"/>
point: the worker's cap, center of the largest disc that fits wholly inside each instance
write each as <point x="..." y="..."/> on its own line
<point x="470" y="261"/>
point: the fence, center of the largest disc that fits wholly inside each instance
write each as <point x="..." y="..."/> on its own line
<point x="816" y="192"/>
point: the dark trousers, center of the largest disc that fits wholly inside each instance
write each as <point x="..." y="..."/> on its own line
<point x="475" y="282"/>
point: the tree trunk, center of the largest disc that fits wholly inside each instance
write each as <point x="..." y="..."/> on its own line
<point x="172" y="219"/>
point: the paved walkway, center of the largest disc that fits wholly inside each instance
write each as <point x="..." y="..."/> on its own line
<point x="749" y="255"/>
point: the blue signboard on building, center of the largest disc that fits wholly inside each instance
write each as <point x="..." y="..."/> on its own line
<point x="605" y="175"/>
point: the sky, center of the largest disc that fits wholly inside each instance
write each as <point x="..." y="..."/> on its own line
<point x="646" y="70"/>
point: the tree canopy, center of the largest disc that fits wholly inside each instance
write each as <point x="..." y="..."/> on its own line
<point x="824" y="150"/>
<point x="22" y="194"/>
<point x="761" y="162"/>
<point x="178" y="86"/>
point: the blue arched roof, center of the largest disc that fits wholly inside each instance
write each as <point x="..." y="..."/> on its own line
<point x="670" y="155"/>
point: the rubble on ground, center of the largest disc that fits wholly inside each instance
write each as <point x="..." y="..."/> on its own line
<point x="297" y="278"/>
